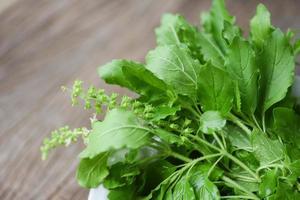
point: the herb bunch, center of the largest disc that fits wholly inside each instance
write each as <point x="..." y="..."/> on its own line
<point x="215" y="117"/>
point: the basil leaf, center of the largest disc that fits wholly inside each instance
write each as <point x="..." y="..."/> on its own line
<point x="213" y="22"/>
<point x="277" y="66"/>
<point x="260" y="25"/>
<point x="216" y="90"/>
<point x="211" y="121"/>
<point x="175" y="30"/>
<point x="119" y="129"/>
<point x="241" y="66"/>
<point x="265" y="149"/>
<point x="137" y="78"/>
<point x="174" y="65"/>
<point x="91" y="172"/>
<point x="286" y="125"/>
<point x="268" y="183"/>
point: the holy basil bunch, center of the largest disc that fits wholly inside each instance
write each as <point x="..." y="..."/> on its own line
<point x="214" y="116"/>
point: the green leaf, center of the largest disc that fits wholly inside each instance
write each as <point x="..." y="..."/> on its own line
<point x="260" y="25"/>
<point x="211" y="121"/>
<point x="230" y="32"/>
<point x="193" y="184"/>
<point x="203" y="187"/>
<point x="137" y="78"/>
<point x="265" y="149"/>
<point x="240" y="64"/>
<point x="176" y="67"/>
<point x="268" y="183"/>
<point x="155" y="173"/>
<point x="183" y="189"/>
<point x="294" y="169"/>
<point x="210" y="50"/>
<point x="124" y="193"/>
<point x="277" y="67"/>
<point x="286" y="125"/>
<point x="248" y="158"/>
<point x="213" y="22"/>
<point x="216" y="90"/>
<point x="120" y="175"/>
<point x="91" y="172"/>
<point x="238" y="138"/>
<point x="147" y="84"/>
<point x="174" y="30"/>
<point x="168" y="137"/>
<point x="285" y="192"/>
<point x="292" y="151"/>
<point x="112" y="73"/>
<point x="119" y="129"/>
<point x="161" y="112"/>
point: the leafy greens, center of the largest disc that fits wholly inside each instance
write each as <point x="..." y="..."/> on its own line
<point x="213" y="119"/>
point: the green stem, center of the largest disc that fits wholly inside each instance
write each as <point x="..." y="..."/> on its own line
<point x="255" y="121"/>
<point x="223" y="139"/>
<point x="197" y="108"/>
<point x="242" y="165"/>
<point x="231" y="157"/>
<point x="180" y="157"/>
<point x="207" y="157"/>
<point x="204" y="142"/>
<point x="270" y="166"/>
<point x="213" y="166"/>
<point x="263" y="122"/>
<point x="238" y="186"/>
<point x="238" y="122"/>
<point x="194" y="112"/>
<point x="241" y="177"/>
<point x="218" y="141"/>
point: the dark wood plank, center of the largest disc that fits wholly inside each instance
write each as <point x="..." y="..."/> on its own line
<point x="46" y="44"/>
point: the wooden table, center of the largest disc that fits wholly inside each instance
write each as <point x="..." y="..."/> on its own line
<point x="46" y="44"/>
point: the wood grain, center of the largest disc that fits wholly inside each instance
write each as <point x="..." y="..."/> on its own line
<point x="46" y="44"/>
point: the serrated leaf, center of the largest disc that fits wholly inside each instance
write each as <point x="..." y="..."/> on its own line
<point x="174" y="30"/>
<point x="145" y="83"/>
<point x="155" y="173"/>
<point x="240" y="64"/>
<point x="265" y="149"/>
<point x="174" y="65"/>
<point x="238" y="138"/>
<point x="91" y="172"/>
<point x="168" y="137"/>
<point x="286" y="125"/>
<point x="294" y="171"/>
<point x="277" y="67"/>
<point x="124" y="193"/>
<point x="260" y="25"/>
<point x="203" y="187"/>
<point x="210" y="50"/>
<point x="137" y="78"/>
<point x="216" y="90"/>
<point x="213" y="22"/>
<point x="230" y="32"/>
<point x="119" y="129"/>
<point x="161" y="112"/>
<point x="268" y="183"/>
<point x="183" y="190"/>
<point x="120" y="175"/>
<point x="286" y="192"/>
<point x="112" y="72"/>
<point x="211" y="121"/>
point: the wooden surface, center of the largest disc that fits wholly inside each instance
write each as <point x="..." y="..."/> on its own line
<point x="46" y="44"/>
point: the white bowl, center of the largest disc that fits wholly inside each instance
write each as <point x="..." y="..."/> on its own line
<point x="101" y="193"/>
